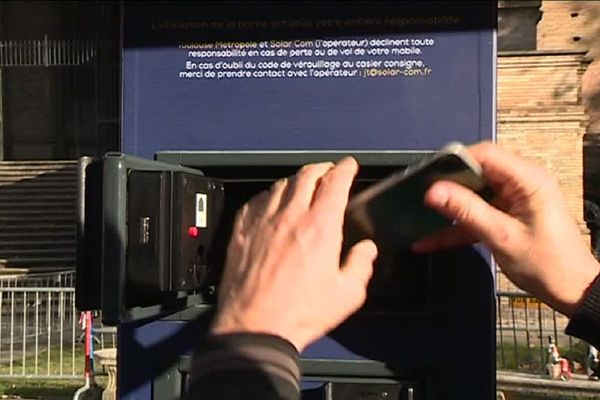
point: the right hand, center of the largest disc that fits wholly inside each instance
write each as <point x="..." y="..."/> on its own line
<point x="283" y="274"/>
<point x="528" y="227"/>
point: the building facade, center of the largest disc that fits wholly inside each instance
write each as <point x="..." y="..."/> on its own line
<point x="59" y="79"/>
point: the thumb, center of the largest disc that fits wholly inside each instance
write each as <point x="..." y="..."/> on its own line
<point x="359" y="261"/>
<point x="471" y="212"/>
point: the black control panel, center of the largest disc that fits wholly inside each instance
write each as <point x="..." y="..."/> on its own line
<point x="171" y="220"/>
<point x="146" y="230"/>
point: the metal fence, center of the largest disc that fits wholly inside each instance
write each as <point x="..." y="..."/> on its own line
<point x="64" y="279"/>
<point x="40" y="334"/>
<point x="46" y="52"/>
<point x="523" y="328"/>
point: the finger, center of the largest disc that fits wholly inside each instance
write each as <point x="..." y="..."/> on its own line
<point x="243" y="223"/>
<point x="275" y="195"/>
<point x="453" y="236"/>
<point x="471" y="212"/>
<point x="241" y="219"/>
<point x="301" y="187"/>
<point x="255" y="209"/>
<point x="331" y="197"/>
<point x="359" y="261"/>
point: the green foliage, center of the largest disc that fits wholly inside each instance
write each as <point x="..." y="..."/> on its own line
<point x="48" y="362"/>
<point x="39" y="389"/>
<point x="521" y="357"/>
<point x="533" y="359"/>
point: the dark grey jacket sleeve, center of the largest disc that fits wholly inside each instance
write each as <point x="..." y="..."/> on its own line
<point x="585" y="323"/>
<point x="245" y="366"/>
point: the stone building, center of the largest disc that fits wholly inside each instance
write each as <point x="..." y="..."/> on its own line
<point x="59" y="79"/>
<point x="549" y="93"/>
<point x="576" y="25"/>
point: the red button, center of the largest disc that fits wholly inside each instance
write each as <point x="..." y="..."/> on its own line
<point x="193" y="231"/>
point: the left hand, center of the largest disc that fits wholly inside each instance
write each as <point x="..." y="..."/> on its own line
<point x="283" y="275"/>
<point x="528" y="228"/>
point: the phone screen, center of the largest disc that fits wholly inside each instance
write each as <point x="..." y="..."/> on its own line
<point x="392" y="212"/>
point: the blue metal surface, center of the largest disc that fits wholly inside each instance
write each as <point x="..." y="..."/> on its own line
<point x="148" y="349"/>
<point x="453" y="342"/>
<point x="164" y="112"/>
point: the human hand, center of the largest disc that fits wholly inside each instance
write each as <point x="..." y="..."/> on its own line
<point x="528" y="228"/>
<point x="282" y="275"/>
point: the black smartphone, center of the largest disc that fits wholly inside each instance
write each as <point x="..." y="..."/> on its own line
<point x="392" y="211"/>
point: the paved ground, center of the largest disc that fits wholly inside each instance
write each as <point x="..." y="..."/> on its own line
<point x="517" y="382"/>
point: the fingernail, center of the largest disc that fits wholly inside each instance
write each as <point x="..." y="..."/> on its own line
<point x="370" y="249"/>
<point x="438" y="196"/>
<point x="348" y="160"/>
<point x="373" y="250"/>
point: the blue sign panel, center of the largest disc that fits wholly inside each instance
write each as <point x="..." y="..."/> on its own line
<point x="306" y="75"/>
<point x="355" y="76"/>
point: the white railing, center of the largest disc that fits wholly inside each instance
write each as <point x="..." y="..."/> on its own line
<point x="46" y="52"/>
<point x="40" y="335"/>
<point x="38" y="332"/>
<point x="64" y="279"/>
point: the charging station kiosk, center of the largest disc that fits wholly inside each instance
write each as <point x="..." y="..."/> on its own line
<point x="390" y="82"/>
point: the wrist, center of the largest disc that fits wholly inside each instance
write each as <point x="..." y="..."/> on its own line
<point x="585" y="280"/>
<point x="213" y="340"/>
<point x="231" y="326"/>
